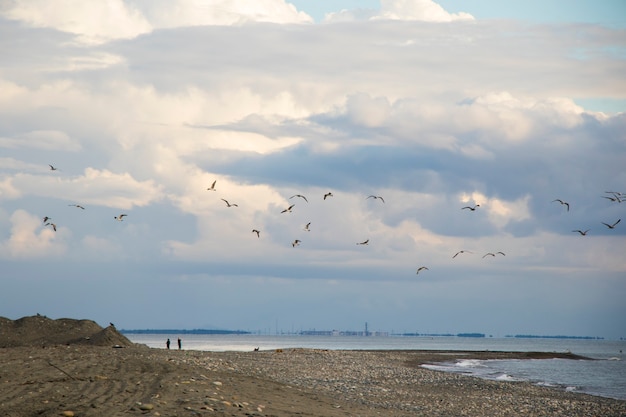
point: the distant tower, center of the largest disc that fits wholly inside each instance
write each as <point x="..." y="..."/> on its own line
<point x="366" y="332"/>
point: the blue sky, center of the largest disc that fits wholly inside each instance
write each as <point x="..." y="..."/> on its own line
<point x="141" y="105"/>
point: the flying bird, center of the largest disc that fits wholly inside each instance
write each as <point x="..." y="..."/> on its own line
<point x="299" y="195"/>
<point x="306" y="227"/>
<point x="288" y="209"/>
<point x="212" y="187"/>
<point x="258" y="232"/>
<point x="52" y="167"/>
<point x="494" y="254"/>
<point x="295" y="243"/>
<point x="471" y="208"/>
<point x="77" y="205"/>
<point x="376" y="197"/>
<point x="612" y="226"/>
<point x="459" y="252"/>
<point x="120" y="217"/>
<point x="421" y="268"/>
<point x="328" y="194"/>
<point x="616" y="198"/>
<point x="54" y="226"/>
<point x="563" y="203"/>
<point x="46" y="218"/>
<point x="229" y="204"/>
<point x="365" y="242"/>
<point x="581" y="232"/>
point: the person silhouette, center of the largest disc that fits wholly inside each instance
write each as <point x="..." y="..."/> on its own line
<point x="167" y="344"/>
<point x="180" y="344"/>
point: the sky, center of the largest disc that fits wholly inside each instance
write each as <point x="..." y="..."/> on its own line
<point x="141" y="105"/>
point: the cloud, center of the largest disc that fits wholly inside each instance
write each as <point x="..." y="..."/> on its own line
<point x="410" y="10"/>
<point x="42" y="139"/>
<point x="95" y="21"/>
<point x="30" y="238"/>
<point x="424" y="10"/>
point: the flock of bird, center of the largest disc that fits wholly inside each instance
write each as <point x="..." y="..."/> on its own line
<point x="297" y="242"/>
<point x="614" y="196"/>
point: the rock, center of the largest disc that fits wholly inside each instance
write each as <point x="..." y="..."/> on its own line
<point x="146" y="407"/>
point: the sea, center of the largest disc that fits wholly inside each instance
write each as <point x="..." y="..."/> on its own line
<point x="603" y="376"/>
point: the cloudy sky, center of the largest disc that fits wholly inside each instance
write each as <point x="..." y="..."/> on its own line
<point x="140" y="105"/>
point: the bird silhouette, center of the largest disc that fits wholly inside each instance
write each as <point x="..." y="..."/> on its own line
<point x="616" y="198"/>
<point x="459" y="252"/>
<point x="52" y="168"/>
<point x="212" y="187"/>
<point x="299" y="195"/>
<point x="306" y="227"/>
<point x="229" y="204"/>
<point x="581" y="232"/>
<point x="295" y="243"/>
<point x="120" y="217"/>
<point x="494" y="254"/>
<point x="54" y="226"/>
<point x="563" y="203"/>
<point x="365" y="242"/>
<point x="288" y="209"/>
<point x="471" y="208"/>
<point x="258" y="232"/>
<point x="77" y="205"/>
<point x="612" y="226"/>
<point x="421" y="268"/>
<point x="46" y="218"/>
<point x="328" y="194"/>
<point x="376" y="197"/>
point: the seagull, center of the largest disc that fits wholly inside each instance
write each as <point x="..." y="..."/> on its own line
<point x="581" y="232"/>
<point x="299" y="195"/>
<point x="494" y="254"/>
<point x="77" y="205"/>
<point x="421" y="268"/>
<point x="46" y="218"/>
<point x="365" y="242"/>
<point x="376" y="197"/>
<point x="120" y="217"/>
<point x="615" y="199"/>
<point x="564" y="203"/>
<point x="328" y="194"/>
<point x="612" y="226"/>
<point x="54" y="226"/>
<point x="288" y="209"/>
<point x="306" y="227"/>
<point x="212" y="187"/>
<point x="295" y="243"/>
<point x="258" y="232"/>
<point x="471" y="208"/>
<point x="459" y="252"/>
<point x="52" y="168"/>
<point x="229" y="204"/>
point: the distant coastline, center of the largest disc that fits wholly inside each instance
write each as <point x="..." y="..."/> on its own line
<point x="348" y="333"/>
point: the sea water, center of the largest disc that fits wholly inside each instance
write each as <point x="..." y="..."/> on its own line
<point x="604" y="376"/>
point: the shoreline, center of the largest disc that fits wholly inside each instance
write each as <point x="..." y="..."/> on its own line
<point x="138" y="380"/>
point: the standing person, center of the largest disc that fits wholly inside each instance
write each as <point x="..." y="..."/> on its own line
<point x="180" y="344"/>
<point x="167" y="343"/>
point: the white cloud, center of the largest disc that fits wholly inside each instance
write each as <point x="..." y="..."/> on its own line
<point x="50" y="140"/>
<point x="30" y="238"/>
<point x="417" y="10"/>
<point x="424" y="10"/>
<point x="97" y="21"/>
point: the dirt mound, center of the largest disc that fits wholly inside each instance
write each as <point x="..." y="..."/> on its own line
<point x="42" y="331"/>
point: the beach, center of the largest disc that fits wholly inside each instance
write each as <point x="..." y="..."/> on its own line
<point x="88" y="380"/>
<point x="68" y="367"/>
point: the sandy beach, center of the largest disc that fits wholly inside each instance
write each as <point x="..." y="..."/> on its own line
<point x="110" y="376"/>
